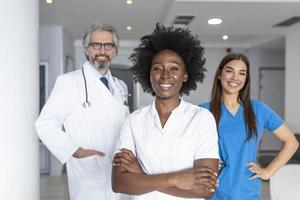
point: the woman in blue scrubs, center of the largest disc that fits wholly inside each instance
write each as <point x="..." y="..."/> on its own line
<point x="241" y="122"/>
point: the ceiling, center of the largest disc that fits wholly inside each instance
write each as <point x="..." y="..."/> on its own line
<point x="248" y="23"/>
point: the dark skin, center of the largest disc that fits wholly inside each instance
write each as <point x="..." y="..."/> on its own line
<point x="168" y="72"/>
<point x="203" y="180"/>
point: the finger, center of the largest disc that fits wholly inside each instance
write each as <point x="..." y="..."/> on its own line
<point x="203" y="173"/>
<point x="254" y="177"/>
<point x="210" y="181"/>
<point x="252" y="164"/>
<point x="205" y="169"/>
<point x="129" y="155"/>
<point x="99" y="153"/>
<point x="122" y="159"/>
<point x="207" y="188"/>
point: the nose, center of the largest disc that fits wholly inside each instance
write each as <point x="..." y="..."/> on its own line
<point x="165" y="74"/>
<point x="102" y="50"/>
<point x="234" y="76"/>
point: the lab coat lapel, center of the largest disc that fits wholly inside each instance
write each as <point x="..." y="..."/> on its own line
<point x="107" y="105"/>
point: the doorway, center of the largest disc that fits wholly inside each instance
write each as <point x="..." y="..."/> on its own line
<point x="271" y="91"/>
<point x="125" y="75"/>
<point x="44" y="93"/>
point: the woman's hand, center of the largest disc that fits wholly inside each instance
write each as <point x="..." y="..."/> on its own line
<point x="258" y="171"/>
<point x="127" y="160"/>
<point x="200" y="176"/>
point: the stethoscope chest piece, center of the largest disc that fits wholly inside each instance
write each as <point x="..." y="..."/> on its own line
<point x="86" y="104"/>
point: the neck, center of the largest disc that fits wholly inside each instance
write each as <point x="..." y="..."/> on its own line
<point x="103" y="70"/>
<point x="230" y="100"/>
<point x="166" y="106"/>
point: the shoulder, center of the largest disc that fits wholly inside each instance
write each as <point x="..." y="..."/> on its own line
<point x="117" y="80"/>
<point x="70" y="76"/>
<point x="258" y="105"/>
<point x="140" y="113"/>
<point x="198" y="111"/>
<point x="205" y="105"/>
<point x="119" y="83"/>
<point x="68" y="81"/>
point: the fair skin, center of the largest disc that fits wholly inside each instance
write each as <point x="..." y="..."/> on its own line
<point x="100" y="58"/>
<point x="167" y="76"/>
<point x="233" y="77"/>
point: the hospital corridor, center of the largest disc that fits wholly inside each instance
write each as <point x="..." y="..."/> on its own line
<point x="56" y="188"/>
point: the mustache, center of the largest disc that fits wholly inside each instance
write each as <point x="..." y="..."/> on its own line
<point x="101" y="55"/>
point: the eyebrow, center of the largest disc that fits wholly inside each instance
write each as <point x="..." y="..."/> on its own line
<point x="242" y="70"/>
<point x="172" y="61"/>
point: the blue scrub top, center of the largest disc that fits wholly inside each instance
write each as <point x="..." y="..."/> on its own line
<point x="235" y="151"/>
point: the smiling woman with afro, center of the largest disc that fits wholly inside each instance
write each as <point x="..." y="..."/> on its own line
<point x="168" y="149"/>
<point x="178" y="40"/>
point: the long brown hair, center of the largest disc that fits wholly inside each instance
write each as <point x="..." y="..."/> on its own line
<point x="244" y="95"/>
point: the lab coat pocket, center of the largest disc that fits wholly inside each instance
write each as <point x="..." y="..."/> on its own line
<point x="92" y="169"/>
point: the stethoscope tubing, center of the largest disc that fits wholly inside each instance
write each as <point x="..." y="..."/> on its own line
<point x="86" y="103"/>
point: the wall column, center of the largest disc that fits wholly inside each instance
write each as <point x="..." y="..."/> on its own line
<point x="19" y="89"/>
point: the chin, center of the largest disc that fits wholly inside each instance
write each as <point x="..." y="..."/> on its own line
<point x="102" y="65"/>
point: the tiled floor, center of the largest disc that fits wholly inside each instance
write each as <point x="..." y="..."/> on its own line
<point x="55" y="188"/>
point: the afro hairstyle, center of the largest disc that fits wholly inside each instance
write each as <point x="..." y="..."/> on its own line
<point x="178" y="40"/>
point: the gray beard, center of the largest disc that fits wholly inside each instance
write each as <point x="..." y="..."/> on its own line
<point x="101" y="65"/>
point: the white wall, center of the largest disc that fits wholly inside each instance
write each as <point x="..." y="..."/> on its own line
<point x="292" y="79"/>
<point x="50" y="49"/>
<point x="54" y="45"/>
<point x="258" y="58"/>
<point x="263" y="58"/>
<point x="213" y="57"/>
<point x="68" y="50"/>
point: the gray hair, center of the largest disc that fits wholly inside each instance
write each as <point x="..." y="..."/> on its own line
<point x="100" y="27"/>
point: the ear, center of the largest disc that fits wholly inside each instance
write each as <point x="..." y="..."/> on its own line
<point x="86" y="51"/>
<point x="185" y="77"/>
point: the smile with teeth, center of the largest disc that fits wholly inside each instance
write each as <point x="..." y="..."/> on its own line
<point x="165" y="85"/>
<point x="233" y="84"/>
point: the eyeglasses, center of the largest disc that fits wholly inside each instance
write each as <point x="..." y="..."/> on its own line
<point x="98" y="45"/>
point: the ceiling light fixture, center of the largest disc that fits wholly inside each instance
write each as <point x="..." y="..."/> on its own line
<point x="49" y="1"/>
<point x="225" y="37"/>
<point x="129" y="28"/>
<point x="129" y="2"/>
<point x="214" y="21"/>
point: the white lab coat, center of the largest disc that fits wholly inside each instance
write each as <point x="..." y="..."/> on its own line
<point x="96" y="127"/>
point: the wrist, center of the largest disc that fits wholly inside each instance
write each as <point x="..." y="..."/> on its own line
<point x="171" y="179"/>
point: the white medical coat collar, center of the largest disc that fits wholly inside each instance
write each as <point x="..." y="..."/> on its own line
<point x="179" y="108"/>
<point x="88" y="66"/>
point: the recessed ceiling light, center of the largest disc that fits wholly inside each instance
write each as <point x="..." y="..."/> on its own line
<point x="129" y="28"/>
<point x="49" y="1"/>
<point x="225" y="37"/>
<point x="214" y="21"/>
<point x="129" y="2"/>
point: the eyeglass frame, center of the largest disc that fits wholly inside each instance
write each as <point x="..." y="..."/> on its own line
<point x="100" y="45"/>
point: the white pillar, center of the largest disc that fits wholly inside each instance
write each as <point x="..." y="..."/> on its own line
<point x="19" y="83"/>
<point x="292" y="84"/>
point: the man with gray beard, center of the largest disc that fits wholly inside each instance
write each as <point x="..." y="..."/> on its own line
<point x="81" y="119"/>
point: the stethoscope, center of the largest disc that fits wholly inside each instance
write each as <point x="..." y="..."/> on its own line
<point x="86" y="103"/>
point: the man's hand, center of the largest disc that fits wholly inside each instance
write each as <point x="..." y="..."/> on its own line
<point x="127" y="160"/>
<point x="83" y="153"/>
